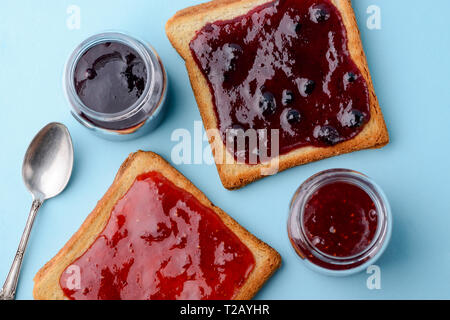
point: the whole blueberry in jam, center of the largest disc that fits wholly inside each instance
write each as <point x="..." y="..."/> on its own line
<point x="297" y="27"/>
<point x="293" y="116"/>
<point x="319" y="13"/>
<point x="288" y="97"/>
<point x="267" y="104"/>
<point x="355" y="119"/>
<point x="309" y="87"/>
<point x="329" y="135"/>
<point x="350" y="77"/>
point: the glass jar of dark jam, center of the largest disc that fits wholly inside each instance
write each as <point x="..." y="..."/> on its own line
<point x="116" y="85"/>
<point x="340" y="222"/>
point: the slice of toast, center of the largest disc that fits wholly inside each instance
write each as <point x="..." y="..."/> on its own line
<point x="183" y="27"/>
<point x="47" y="285"/>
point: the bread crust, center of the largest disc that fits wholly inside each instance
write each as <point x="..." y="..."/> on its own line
<point x="47" y="279"/>
<point x="181" y="29"/>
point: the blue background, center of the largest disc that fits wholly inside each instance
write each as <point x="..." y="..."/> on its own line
<point x="410" y="66"/>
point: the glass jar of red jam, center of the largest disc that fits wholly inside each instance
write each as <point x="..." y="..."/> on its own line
<point x="340" y="222"/>
<point x="116" y="85"/>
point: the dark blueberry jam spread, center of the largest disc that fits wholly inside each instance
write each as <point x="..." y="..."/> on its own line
<point x="285" y="65"/>
<point x="110" y="77"/>
<point x="340" y="220"/>
<point x="161" y="243"/>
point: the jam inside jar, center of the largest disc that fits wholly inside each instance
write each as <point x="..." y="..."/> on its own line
<point x="110" y="77"/>
<point x="116" y="85"/>
<point x="340" y="222"/>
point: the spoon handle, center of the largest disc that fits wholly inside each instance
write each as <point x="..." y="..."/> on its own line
<point x="8" y="291"/>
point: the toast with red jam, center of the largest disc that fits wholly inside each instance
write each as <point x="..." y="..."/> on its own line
<point x="155" y="236"/>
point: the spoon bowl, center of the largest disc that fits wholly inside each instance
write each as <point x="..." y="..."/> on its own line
<point x="48" y="162"/>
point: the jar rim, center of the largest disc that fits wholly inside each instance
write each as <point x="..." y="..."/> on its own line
<point x="303" y="195"/>
<point x="112" y="36"/>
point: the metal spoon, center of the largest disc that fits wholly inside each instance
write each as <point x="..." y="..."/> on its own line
<point x="46" y="170"/>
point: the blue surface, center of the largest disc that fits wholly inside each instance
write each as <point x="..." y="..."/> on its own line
<point x="409" y="61"/>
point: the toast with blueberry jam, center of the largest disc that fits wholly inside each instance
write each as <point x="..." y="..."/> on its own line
<point x="290" y="76"/>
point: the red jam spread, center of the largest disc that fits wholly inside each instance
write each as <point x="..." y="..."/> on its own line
<point x="161" y="243"/>
<point x="340" y="220"/>
<point x="110" y="77"/>
<point x="285" y="65"/>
